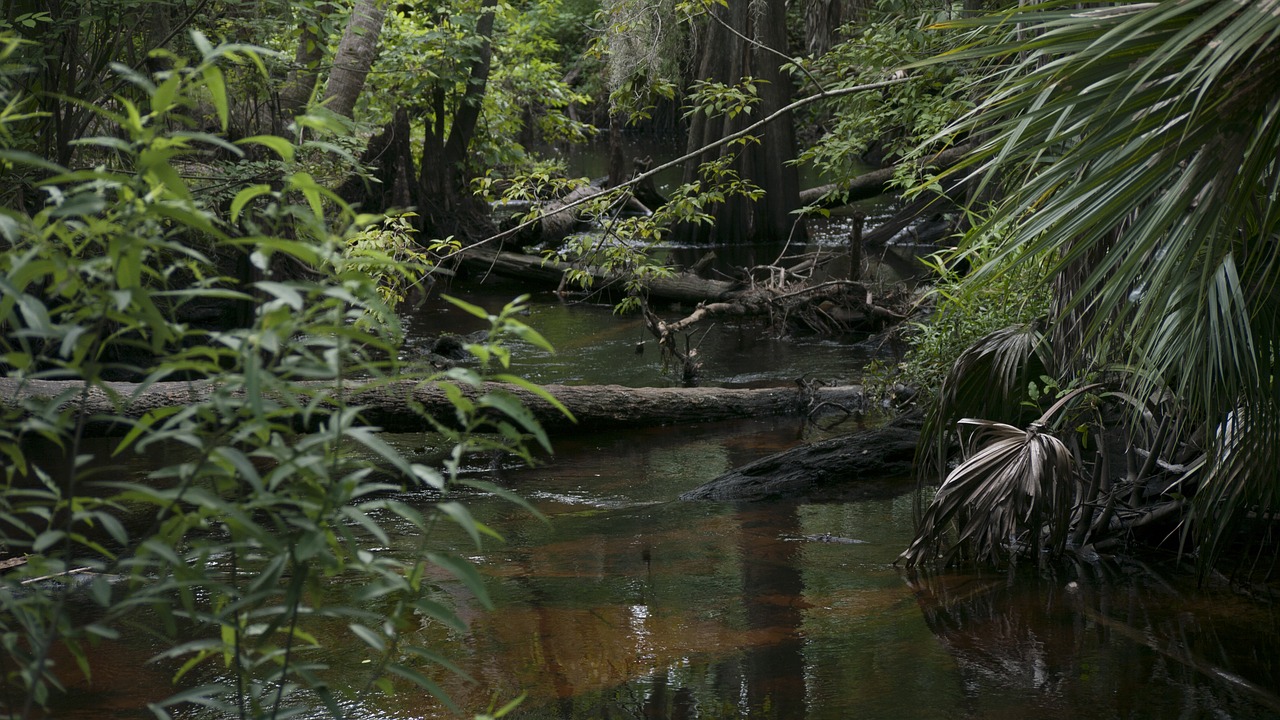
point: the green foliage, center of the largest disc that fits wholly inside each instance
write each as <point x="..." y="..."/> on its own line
<point x="1018" y="294"/>
<point x="906" y="120"/>
<point x="426" y="65"/>
<point x="389" y="253"/>
<point x="257" y="531"/>
<point x="1134" y="147"/>
<point x="714" y="98"/>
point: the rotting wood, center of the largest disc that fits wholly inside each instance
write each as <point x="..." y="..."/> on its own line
<point x="390" y="405"/>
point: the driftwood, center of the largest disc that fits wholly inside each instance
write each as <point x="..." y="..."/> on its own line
<point x="556" y="222"/>
<point x="871" y="464"/>
<point x="560" y="217"/>
<point x="391" y="405"/>
<point x="876" y="182"/>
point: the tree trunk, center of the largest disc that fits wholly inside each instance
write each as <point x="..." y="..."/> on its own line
<point x="301" y="83"/>
<point x="356" y="52"/>
<point x="393" y="406"/>
<point x="438" y="187"/>
<point x="737" y="44"/>
<point x="449" y="207"/>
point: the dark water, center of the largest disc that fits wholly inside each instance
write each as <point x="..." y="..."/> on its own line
<point x="627" y="603"/>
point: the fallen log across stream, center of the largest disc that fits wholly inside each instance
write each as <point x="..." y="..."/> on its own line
<point x="393" y="405"/>
<point x="875" y="182"/>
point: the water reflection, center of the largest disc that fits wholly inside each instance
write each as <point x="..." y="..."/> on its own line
<point x="1117" y="642"/>
<point x="773" y="683"/>
<point x="630" y="605"/>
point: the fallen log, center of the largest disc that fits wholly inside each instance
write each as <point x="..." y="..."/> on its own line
<point x="908" y="225"/>
<point x="393" y="405"/>
<point x="871" y="464"/>
<point x="681" y="287"/>
<point x="871" y="184"/>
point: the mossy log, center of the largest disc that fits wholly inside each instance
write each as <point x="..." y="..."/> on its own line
<point x="681" y="287"/>
<point x="394" y="405"/>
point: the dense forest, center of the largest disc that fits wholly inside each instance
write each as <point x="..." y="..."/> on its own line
<point x="214" y="211"/>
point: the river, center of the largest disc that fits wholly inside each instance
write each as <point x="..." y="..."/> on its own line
<point x="628" y="603"/>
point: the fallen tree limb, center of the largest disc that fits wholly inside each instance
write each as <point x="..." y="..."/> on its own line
<point x="392" y="405"/>
<point x="726" y="140"/>
<point x="682" y="287"/>
<point x="875" y="463"/>
<point x="876" y="182"/>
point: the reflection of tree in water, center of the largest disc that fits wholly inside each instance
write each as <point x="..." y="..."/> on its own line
<point x="773" y="596"/>
<point x="1061" y="648"/>
<point x="762" y="679"/>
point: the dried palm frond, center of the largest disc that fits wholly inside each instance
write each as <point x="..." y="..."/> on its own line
<point x="1017" y="482"/>
<point x="1013" y="486"/>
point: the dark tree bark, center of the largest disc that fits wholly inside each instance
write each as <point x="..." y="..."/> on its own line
<point x="736" y="44"/>
<point x="438" y="187"/>
<point x="873" y="464"/>
<point x="824" y="18"/>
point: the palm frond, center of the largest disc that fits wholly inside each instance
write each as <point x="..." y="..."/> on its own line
<point x="1013" y="483"/>
<point x="1136" y="145"/>
<point x="988" y="380"/>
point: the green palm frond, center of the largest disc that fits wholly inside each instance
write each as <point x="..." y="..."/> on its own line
<point x="1138" y="146"/>
<point x="988" y="380"/>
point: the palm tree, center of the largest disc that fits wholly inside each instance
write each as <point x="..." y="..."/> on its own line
<point x="1137" y="145"/>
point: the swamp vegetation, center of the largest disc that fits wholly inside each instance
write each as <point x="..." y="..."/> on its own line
<point x="245" y="443"/>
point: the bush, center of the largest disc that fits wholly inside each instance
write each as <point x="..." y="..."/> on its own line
<point x="273" y="490"/>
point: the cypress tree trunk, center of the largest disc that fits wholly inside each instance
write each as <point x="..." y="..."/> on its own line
<point x="451" y="208"/>
<point x="306" y="64"/>
<point x="749" y="39"/>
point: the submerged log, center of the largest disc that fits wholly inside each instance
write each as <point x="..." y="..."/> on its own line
<point x="872" y="464"/>
<point x="393" y="405"/>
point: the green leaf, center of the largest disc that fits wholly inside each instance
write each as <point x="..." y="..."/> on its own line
<point x="370" y="637"/>
<point x="464" y="571"/>
<point x="217" y="87"/>
<point x="279" y="145"/>
<point x="467" y="307"/>
<point x="425" y="683"/>
<point x="243" y="198"/>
